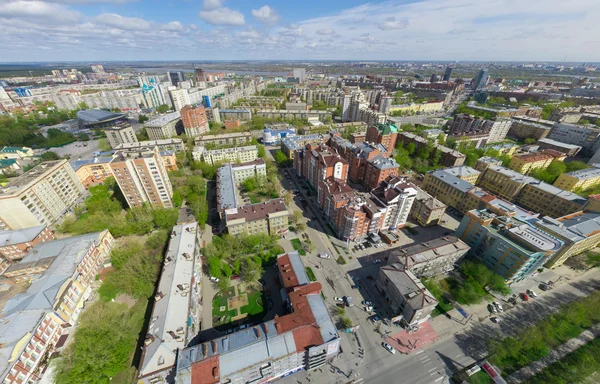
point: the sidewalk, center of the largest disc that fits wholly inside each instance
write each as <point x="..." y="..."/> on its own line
<point x="554" y="355"/>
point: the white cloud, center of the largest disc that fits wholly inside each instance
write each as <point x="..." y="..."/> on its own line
<point x="326" y="32"/>
<point x="393" y="23"/>
<point x="209" y="5"/>
<point x="366" y="38"/>
<point x="292" y="30"/>
<point x="250" y="33"/>
<point x="38" y="10"/>
<point x="122" y="22"/>
<point x="266" y="14"/>
<point x="222" y="16"/>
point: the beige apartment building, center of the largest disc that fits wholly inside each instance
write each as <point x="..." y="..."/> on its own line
<point x="225" y="139"/>
<point x="426" y="209"/>
<point x="269" y="217"/>
<point x="142" y="178"/>
<point x="122" y="133"/>
<point x="40" y="196"/>
<point x="236" y="154"/>
<point x="163" y="127"/>
<point x="582" y="179"/>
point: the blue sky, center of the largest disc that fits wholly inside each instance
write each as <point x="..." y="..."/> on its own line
<point x="97" y="30"/>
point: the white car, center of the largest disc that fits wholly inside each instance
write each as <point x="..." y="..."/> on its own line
<point x="389" y="348"/>
<point x="323" y="255"/>
<point x="369" y="308"/>
<point x="367" y="303"/>
<point x="496" y="319"/>
<point x="498" y="306"/>
<point x="214" y="279"/>
<point x="531" y="293"/>
<point x="339" y="299"/>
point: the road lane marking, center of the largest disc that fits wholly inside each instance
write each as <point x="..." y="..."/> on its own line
<point x="436" y="380"/>
<point x="421" y="351"/>
<point x="427" y="363"/>
<point x="432" y="369"/>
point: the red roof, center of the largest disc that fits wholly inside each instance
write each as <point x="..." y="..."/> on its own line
<point x="207" y="372"/>
<point x="287" y="271"/>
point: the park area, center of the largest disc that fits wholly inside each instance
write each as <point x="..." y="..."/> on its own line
<point x="237" y="303"/>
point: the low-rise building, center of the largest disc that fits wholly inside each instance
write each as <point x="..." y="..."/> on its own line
<point x="582" y="179"/>
<point x="36" y="322"/>
<point x="16" y="153"/>
<point x="273" y="134"/>
<point x="431" y="258"/>
<point x="9" y="166"/>
<point x="235" y="114"/>
<point x="568" y="149"/>
<point x="163" y="145"/>
<point x="244" y="171"/>
<point x="539" y="160"/>
<point x="163" y="127"/>
<point x="235" y="154"/>
<point x="290" y="145"/>
<point x="426" y="209"/>
<point x="269" y="217"/>
<point x="229" y="139"/>
<point x="484" y="162"/>
<point x="511" y="247"/>
<point x="588" y="138"/>
<point x="40" y="196"/>
<point x="447" y="188"/>
<point x="579" y="231"/>
<point x="176" y="310"/>
<point x="304" y="338"/>
<point x="410" y="301"/>
<point x="15" y="244"/>
<point x="528" y="130"/>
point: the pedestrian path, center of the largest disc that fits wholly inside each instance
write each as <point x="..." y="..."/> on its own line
<point x="555" y="355"/>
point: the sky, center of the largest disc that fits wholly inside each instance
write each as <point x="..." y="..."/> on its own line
<point x="123" y="30"/>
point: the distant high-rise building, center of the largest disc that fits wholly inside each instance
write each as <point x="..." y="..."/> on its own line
<point x="180" y="98"/>
<point x="447" y="73"/>
<point x="385" y="105"/>
<point x="481" y="80"/>
<point x="300" y="73"/>
<point x="176" y="77"/>
<point x="98" y="68"/>
<point x="200" y="75"/>
<point x="434" y="78"/>
<point x="195" y="121"/>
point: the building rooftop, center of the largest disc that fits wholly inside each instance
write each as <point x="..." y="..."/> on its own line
<point x="151" y="144"/>
<point x="98" y="115"/>
<point x="168" y="325"/>
<point x="76" y="164"/>
<point x="259" y="211"/>
<point x="20" y="235"/>
<point x="199" y="139"/>
<point x="588" y="173"/>
<point x="226" y="189"/>
<point x="292" y="270"/>
<point x="575" y="227"/>
<point x="430" y="250"/>
<point x="231" y="150"/>
<point x="258" y="163"/>
<point x="489" y="160"/>
<point x="163" y="120"/>
<point x="462" y="171"/>
<point x="382" y="162"/>
<point x="21" y="182"/>
<point x="409" y="286"/>
<point x="455" y="182"/>
<point x="429" y="201"/>
<point x="14" y="149"/>
<point x="558" y="144"/>
<point x="386" y="129"/>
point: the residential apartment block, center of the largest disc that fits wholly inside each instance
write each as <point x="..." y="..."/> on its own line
<point x="142" y="178"/>
<point x="511" y="247"/>
<point x="464" y="172"/>
<point x="528" y="130"/>
<point x="119" y="134"/>
<point x="244" y="171"/>
<point x="539" y="160"/>
<point x="384" y="134"/>
<point x="582" y="179"/>
<point x="40" y="196"/>
<point x="411" y="303"/>
<point x="426" y="209"/>
<point x="567" y="149"/>
<point x="379" y="169"/>
<point x="291" y="144"/>
<point x="484" y="162"/>
<point x="431" y="258"/>
<point x="225" y="139"/>
<point x="464" y="124"/>
<point x="163" y="127"/>
<point x="530" y="193"/>
<point x="586" y="137"/>
<point x="304" y="338"/>
<point x="318" y="163"/>
<point x="235" y="154"/>
<point x="269" y="217"/>
<point x="397" y="196"/>
<point x="195" y="121"/>
<point x="163" y="145"/>
<point x="176" y="310"/>
<point x="38" y="321"/>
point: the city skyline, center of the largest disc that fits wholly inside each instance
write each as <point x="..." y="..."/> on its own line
<point x="77" y="30"/>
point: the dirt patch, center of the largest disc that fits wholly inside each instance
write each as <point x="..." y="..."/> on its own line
<point x="126" y="299"/>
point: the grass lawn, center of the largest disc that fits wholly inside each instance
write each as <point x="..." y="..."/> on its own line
<point x="310" y="274"/>
<point x="255" y="303"/>
<point x="480" y="378"/>
<point x="297" y="244"/>
<point x="218" y="301"/>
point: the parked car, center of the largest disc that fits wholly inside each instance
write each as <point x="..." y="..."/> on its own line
<point x="365" y="302"/>
<point x="496" y="319"/>
<point x="348" y="300"/>
<point x="376" y="318"/>
<point x="214" y="279"/>
<point x="498" y="306"/>
<point x="524" y="296"/>
<point x="389" y="348"/>
<point x="544" y="287"/>
<point x="339" y="299"/>
<point x="323" y="255"/>
<point x="369" y="309"/>
<point x="531" y="293"/>
<point x="492" y="308"/>
<point x="512" y="300"/>
<point x="376" y="261"/>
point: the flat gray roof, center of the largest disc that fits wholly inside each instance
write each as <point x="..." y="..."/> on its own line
<point x="163" y="120"/>
<point x="98" y="115"/>
<point x="20" y="235"/>
<point x="462" y="171"/>
<point x="226" y="188"/>
<point x="409" y="286"/>
<point x="558" y="143"/>
<point x="450" y="179"/>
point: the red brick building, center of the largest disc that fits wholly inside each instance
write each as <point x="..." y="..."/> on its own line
<point x="14" y="245"/>
<point x="384" y="134"/>
<point x="378" y="170"/>
<point x="319" y="162"/>
<point x="195" y="121"/>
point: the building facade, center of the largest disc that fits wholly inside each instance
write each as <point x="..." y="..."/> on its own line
<point x="225" y="139"/>
<point x="431" y="258"/>
<point x="397" y="196"/>
<point x="142" y="178"/>
<point x="236" y="154"/>
<point x="40" y="196"/>
<point x="581" y="180"/>
<point x="426" y="209"/>
<point x="384" y="134"/>
<point x="195" y="121"/>
<point x="123" y="133"/>
<point x="269" y="217"/>
<point x="540" y="160"/>
<point x="163" y="127"/>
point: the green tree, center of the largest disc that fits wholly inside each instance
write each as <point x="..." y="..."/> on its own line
<point x="164" y="108"/>
<point x="224" y="283"/>
<point x="410" y="148"/>
<point x="214" y="267"/>
<point x="281" y="159"/>
<point x="49" y="155"/>
<point x="530" y="140"/>
<point x="262" y="153"/>
<point x="227" y="271"/>
<point x="575" y="165"/>
<point x="142" y="119"/>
